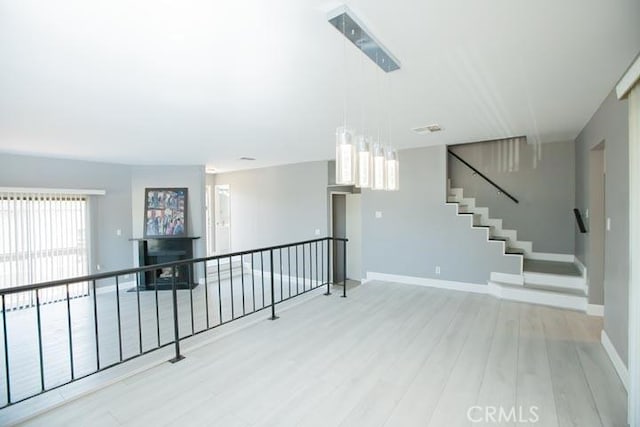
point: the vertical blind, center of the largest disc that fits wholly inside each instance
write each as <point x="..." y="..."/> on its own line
<point x="43" y="237"/>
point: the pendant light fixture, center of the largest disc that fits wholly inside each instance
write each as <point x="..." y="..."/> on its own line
<point x="379" y="172"/>
<point x="360" y="160"/>
<point x="345" y="156"/>
<point x="363" y="150"/>
<point x="392" y="172"/>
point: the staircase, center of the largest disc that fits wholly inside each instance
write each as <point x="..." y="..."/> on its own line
<point x="548" y="279"/>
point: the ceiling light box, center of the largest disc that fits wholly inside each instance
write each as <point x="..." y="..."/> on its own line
<point x="353" y="29"/>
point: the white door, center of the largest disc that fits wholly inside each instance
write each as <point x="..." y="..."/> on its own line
<point x="223" y="219"/>
<point x="354" y="234"/>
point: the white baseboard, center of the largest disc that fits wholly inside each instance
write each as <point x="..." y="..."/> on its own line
<point x="501" y="291"/>
<point x="547" y="256"/>
<point x="432" y="283"/>
<point x="123" y="286"/>
<point x="595" y="310"/>
<point x="618" y="364"/>
<point x="513" y="279"/>
<point x="286" y="278"/>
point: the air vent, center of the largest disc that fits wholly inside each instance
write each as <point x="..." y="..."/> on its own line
<point x="247" y="158"/>
<point x="428" y="129"/>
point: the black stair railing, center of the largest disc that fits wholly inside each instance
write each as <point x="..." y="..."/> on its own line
<point x="483" y="176"/>
<point x="109" y="327"/>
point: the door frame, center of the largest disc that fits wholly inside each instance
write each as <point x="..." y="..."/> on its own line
<point x="596" y="221"/>
<point x="346" y="194"/>
<point x="331" y="194"/>
<point x="215" y="215"/>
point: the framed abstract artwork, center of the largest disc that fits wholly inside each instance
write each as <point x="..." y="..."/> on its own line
<point x="165" y="212"/>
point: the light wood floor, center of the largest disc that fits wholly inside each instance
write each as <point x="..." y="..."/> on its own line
<point x="388" y="355"/>
<point x="149" y="329"/>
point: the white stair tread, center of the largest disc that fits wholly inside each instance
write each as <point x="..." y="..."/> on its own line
<point x="551" y="297"/>
<point x="552" y="267"/>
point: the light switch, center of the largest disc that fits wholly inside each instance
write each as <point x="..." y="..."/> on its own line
<point x="119" y="232"/>
<point x="378" y="214"/>
<point x="608" y="224"/>
<point x="317" y="231"/>
<point x="586" y="213"/>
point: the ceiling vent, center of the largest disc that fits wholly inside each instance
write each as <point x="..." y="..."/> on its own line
<point x="428" y="129"/>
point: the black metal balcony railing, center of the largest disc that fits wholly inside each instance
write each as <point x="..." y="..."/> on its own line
<point x="102" y="333"/>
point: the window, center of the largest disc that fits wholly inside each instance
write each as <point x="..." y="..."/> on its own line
<point x="43" y="237"/>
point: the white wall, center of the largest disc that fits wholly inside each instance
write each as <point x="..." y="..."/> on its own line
<point x="610" y="124"/>
<point x="108" y="213"/>
<point x="418" y="232"/>
<point x="277" y="205"/>
<point x="546" y="193"/>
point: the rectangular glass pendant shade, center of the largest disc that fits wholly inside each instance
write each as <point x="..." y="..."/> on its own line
<point x="365" y="165"/>
<point x="345" y="157"/>
<point x="363" y="162"/>
<point x="392" y="171"/>
<point x="379" y="171"/>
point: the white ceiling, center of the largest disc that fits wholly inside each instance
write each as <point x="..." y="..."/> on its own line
<point x="206" y="82"/>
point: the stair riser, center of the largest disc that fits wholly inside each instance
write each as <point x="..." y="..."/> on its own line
<point x="556" y="281"/>
<point x="469" y="202"/>
<point x="512" y="235"/>
<point x="532" y="296"/>
<point x="527" y="247"/>
<point x="456" y="193"/>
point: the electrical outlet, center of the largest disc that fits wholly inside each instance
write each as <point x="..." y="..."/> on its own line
<point x="98" y="267"/>
<point x="438" y="270"/>
<point x="378" y="214"/>
<point x="317" y="231"/>
<point x="118" y="232"/>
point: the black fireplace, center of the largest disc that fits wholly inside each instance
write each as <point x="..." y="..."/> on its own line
<point x="159" y="250"/>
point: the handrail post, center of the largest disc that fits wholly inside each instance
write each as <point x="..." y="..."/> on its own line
<point x="176" y="330"/>
<point x="273" y="296"/>
<point x="344" y="268"/>
<point x="5" y="339"/>
<point x="328" y="267"/>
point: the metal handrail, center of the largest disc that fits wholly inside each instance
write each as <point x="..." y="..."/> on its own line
<point x="312" y="279"/>
<point x="133" y="270"/>
<point x="500" y="189"/>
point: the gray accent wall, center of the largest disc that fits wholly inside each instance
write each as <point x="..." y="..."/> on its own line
<point x="418" y="231"/>
<point x="277" y="205"/>
<point x="108" y="213"/>
<point x="609" y="124"/>
<point x="544" y="214"/>
<point x="191" y="177"/>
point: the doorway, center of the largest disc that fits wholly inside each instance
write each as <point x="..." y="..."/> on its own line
<point x="346" y="223"/>
<point x="597" y="224"/>
<point x="222" y="219"/>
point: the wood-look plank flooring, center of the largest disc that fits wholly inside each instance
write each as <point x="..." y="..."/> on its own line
<point x="138" y="331"/>
<point x="388" y="355"/>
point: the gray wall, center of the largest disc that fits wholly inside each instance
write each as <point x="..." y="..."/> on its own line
<point x="191" y="177"/>
<point x="610" y="124"/>
<point x="544" y="215"/>
<point x="277" y="205"/>
<point x="108" y="213"/>
<point x="418" y="232"/>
